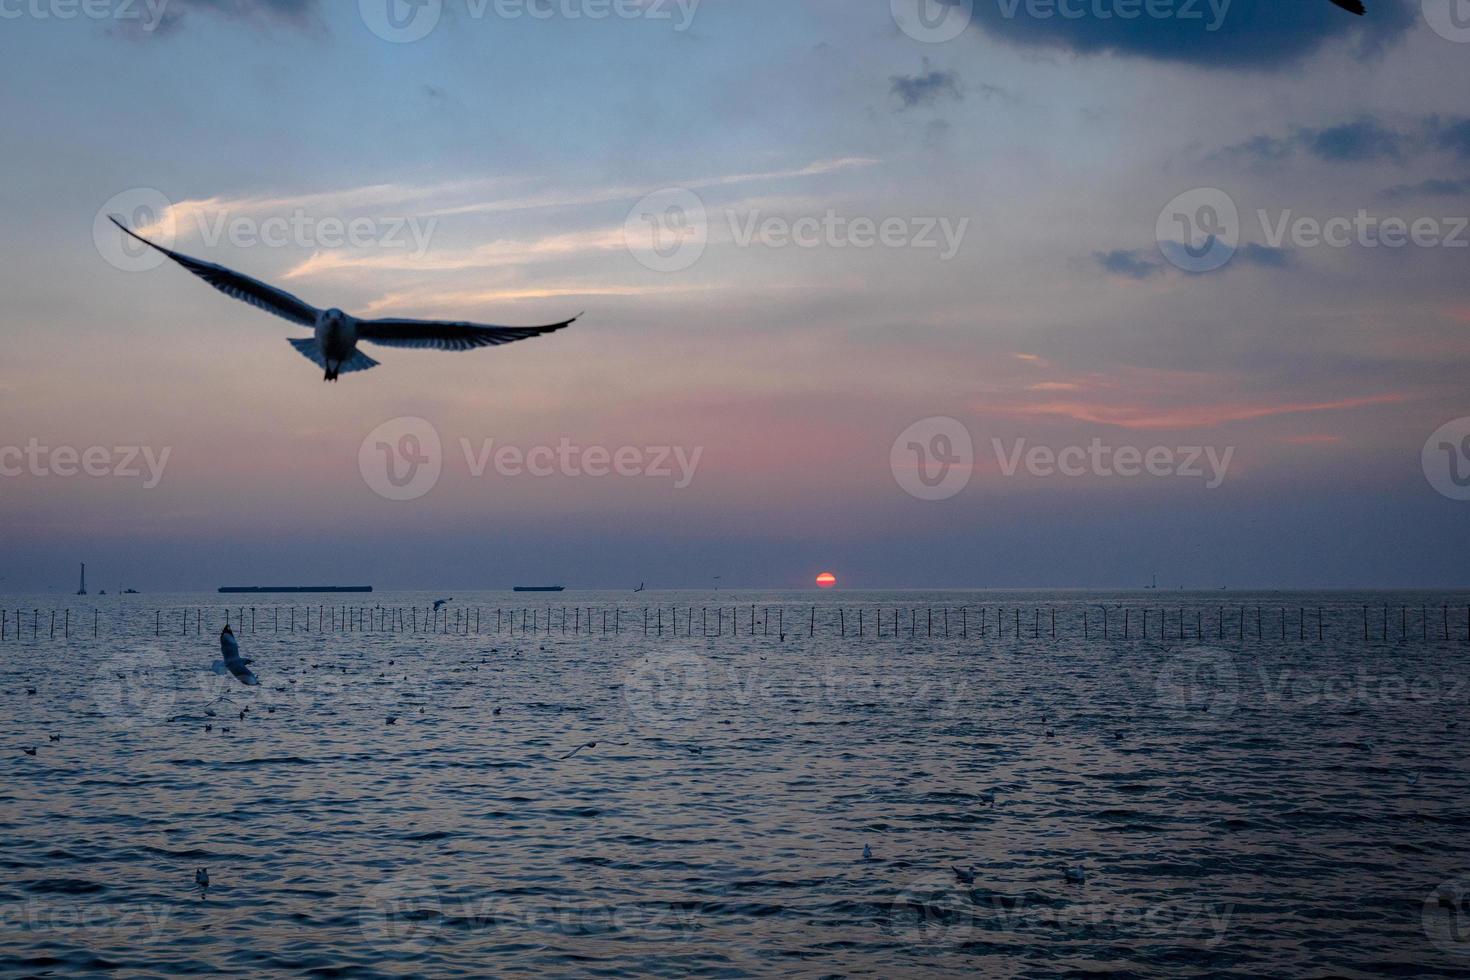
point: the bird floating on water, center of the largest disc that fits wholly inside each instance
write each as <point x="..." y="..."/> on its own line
<point x="29" y="751"/>
<point x="334" y="346"/>
<point x="201" y="877"/>
<point x="965" y="876"/>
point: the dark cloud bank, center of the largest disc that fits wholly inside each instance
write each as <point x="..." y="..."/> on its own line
<point x="1222" y="34"/>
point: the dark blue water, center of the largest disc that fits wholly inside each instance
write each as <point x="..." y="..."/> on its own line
<point x="1239" y="803"/>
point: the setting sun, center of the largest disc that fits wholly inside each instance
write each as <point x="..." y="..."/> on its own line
<point x="826" y="580"/>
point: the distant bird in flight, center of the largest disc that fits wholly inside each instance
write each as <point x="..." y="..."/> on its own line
<point x="334" y="348"/>
<point x="439" y="603"/>
<point x="1352" y="6"/>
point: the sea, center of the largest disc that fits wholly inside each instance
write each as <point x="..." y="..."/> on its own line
<point x="732" y="784"/>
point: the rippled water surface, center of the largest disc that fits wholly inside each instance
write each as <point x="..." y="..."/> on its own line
<point x="1248" y="800"/>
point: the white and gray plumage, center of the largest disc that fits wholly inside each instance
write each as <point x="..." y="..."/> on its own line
<point x="234" y="663"/>
<point x="334" y="347"/>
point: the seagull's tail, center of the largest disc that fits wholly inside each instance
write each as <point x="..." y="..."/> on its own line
<point x="312" y="351"/>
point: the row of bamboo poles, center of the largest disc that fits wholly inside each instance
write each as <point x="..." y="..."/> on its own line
<point x="859" y="622"/>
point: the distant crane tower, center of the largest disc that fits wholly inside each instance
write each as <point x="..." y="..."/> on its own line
<point x="82" y="589"/>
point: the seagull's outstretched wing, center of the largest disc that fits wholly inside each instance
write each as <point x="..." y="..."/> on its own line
<point x="1352" y="6"/>
<point x="447" y="335"/>
<point x="241" y="287"/>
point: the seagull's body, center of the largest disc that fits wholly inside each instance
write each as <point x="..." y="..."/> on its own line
<point x="333" y="345"/>
<point x="965" y="876"/>
<point x="584" y="745"/>
<point x="234" y="663"/>
<point x="1352" y="6"/>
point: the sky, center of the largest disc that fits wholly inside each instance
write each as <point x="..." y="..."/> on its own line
<point x="1002" y="293"/>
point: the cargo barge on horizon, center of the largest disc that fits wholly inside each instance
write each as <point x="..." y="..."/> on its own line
<point x="263" y="589"/>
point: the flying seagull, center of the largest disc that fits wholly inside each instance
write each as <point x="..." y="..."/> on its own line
<point x="334" y="348"/>
<point x="1352" y="6"/>
<point x="234" y="663"/>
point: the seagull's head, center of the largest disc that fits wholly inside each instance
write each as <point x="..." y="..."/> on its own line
<point x="227" y="630"/>
<point x="334" y="316"/>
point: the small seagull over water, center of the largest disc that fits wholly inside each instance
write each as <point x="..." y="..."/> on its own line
<point x="584" y="745"/>
<point x="334" y="347"/>
<point x="439" y="603"/>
